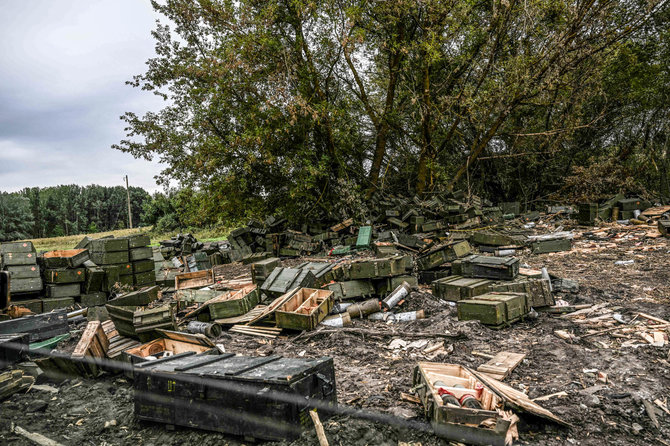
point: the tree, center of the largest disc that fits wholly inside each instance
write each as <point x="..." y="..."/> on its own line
<point x="16" y="220"/>
<point x="286" y="104"/>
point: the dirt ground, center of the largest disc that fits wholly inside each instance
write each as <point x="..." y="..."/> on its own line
<point x="371" y="376"/>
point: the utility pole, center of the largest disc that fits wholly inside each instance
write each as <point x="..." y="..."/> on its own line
<point x="130" y="215"/>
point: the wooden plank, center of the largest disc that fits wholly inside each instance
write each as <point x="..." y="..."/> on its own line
<point x="653" y="318"/>
<point x="501" y="365"/>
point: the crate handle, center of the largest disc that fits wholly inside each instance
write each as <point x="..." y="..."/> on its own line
<point x="327" y="386"/>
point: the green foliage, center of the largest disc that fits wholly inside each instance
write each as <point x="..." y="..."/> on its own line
<point x="295" y="107"/>
<point x="16" y="220"/>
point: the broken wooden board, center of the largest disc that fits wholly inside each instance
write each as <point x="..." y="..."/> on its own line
<point x="501" y="365"/>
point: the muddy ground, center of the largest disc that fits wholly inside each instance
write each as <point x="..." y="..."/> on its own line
<point x="370" y="376"/>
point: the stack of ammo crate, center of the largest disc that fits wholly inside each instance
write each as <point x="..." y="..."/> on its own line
<point x="20" y="260"/>
<point x="111" y="254"/>
<point x="64" y="276"/>
<point x="141" y="257"/>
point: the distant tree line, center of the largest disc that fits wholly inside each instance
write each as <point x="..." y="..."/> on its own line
<point x="68" y="210"/>
<point x="298" y="106"/>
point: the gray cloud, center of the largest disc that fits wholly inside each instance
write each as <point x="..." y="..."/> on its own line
<point x="63" y="68"/>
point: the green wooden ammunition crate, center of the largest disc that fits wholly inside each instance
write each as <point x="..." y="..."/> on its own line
<point x="545" y="246"/>
<point x="538" y="292"/>
<point x="511" y="207"/>
<point x="261" y="270"/>
<point x="141" y="254"/>
<point x="136" y="298"/>
<point x="323" y="271"/>
<point x="142" y="266"/>
<point x="93" y="299"/>
<point x="95" y="278"/>
<point x="76" y="275"/>
<point x="281" y="280"/>
<point x="588" y="212"/>
<point x="515" y="304"/>
<point x="127" y="280"/>
<point x="626" y="215"/>
<point x="69" y="290"/>
<point x="364" y="237"/>
<point x="305" y="309"/>
<point x="25" y="285"/>
<point x="110" y="257"/>
<point x="632" y="204"/>
<point x="23" y="272"/>
<point x="109" y="245"/>
<point x="237" y="304"/>
<point x="428" y="277"/>
<point x="255" y="257"/>
<point x="488" y="312"/>
<point x="455" y="288"/>
<point x="288" y="252"/>
<point x="83" y="243"/>
<point x="385" y="250"/>
<point x="664" y="227"/>
<point x="111" y="277"/>
<point x="352" y="289"/>
<point x="125" y="269"/>
<point x="56" y="303"/>
<point x="140" y="323"/>
<point x="443" y="254"/>
<point x="34" y="305"/>
<point x="387" y="285"/>
<point x="372" y="269"/>
<point x="496" y="239"/>
<point x="71" y="258"/>
<point x="19" y="258"/>
<point x="486" y="267"/>
<point x="144" y="279"/>
<point x="138" y="240"/>
<point x="16" y="247"/>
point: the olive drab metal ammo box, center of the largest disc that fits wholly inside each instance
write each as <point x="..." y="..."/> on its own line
<point x="486" y="267"/>
<point x="455" y="288"/>
<point x="253" y="397"/>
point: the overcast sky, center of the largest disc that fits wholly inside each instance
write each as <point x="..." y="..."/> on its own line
<point x="63" y="67"/>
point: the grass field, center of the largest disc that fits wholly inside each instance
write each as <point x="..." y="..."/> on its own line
<point x="69" y="242"/>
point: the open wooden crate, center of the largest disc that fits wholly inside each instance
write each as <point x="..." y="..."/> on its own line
<point x="70" y="258"/>
<point x="304" y="309"/>
<point x="493" y="425"/>
<point x="169" y="343"/>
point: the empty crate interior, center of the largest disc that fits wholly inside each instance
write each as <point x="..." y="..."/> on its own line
<point x="63" y="253"/>
<point x="453" y="376"/>
<point x="158" y="347"/>
<point x="305" y="301"/>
